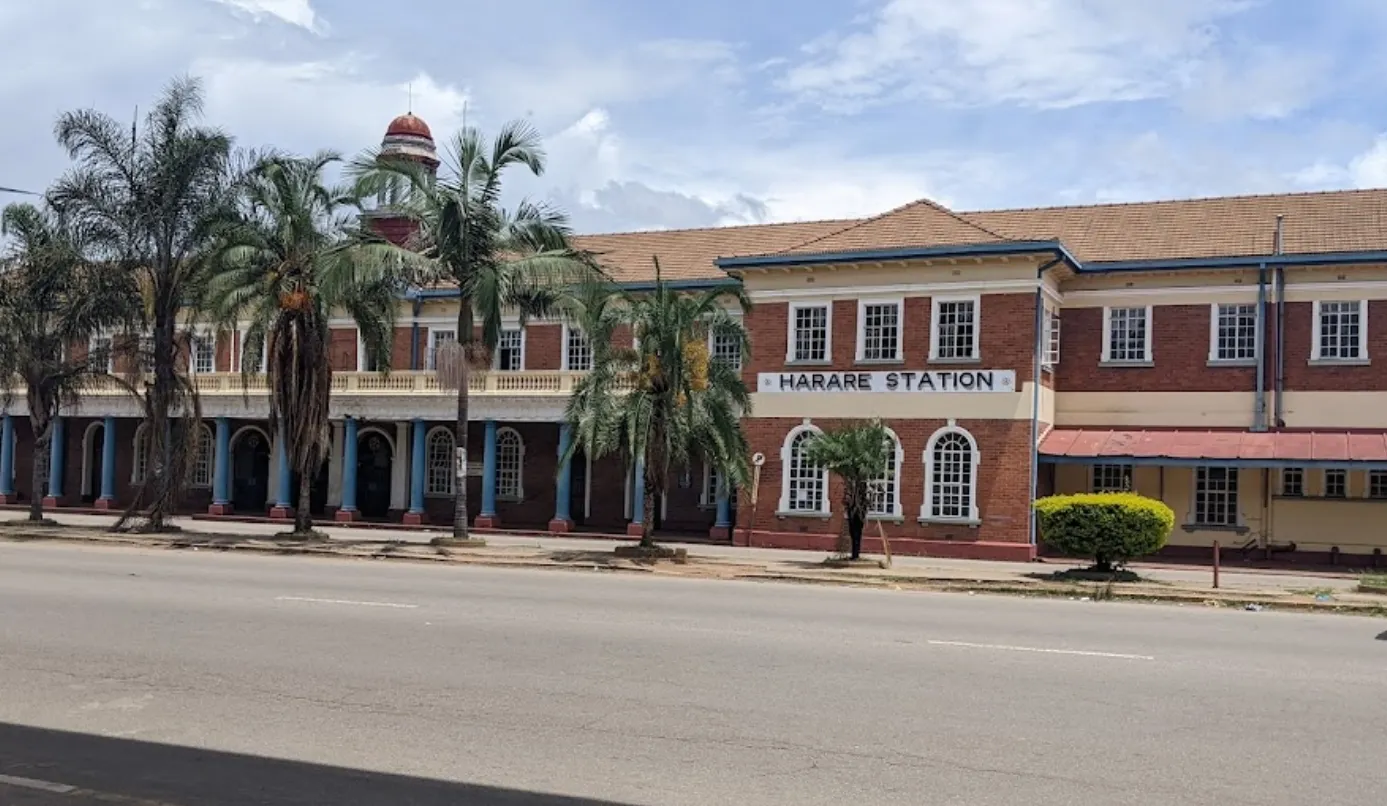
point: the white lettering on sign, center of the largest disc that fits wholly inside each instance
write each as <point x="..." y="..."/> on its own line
<point x="946" y="380"/>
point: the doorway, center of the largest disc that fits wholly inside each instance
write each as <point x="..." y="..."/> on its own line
<point x="250" y="472"/>
<point x="317" y="491"/>
<point x="373" y="459"/>
<point x="578" y="489"/>
<point x="95" y="453"/>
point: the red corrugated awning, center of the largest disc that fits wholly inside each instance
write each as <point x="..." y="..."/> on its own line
<point x="1244" y="447"/>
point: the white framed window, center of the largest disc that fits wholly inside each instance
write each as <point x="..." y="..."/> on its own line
<point x="1050" y="340"/>
<point x="1377" y="484"/>
<point x="439" y="337"/>
<point x="202" y="354"/>
<point x="1233" y="332"/>
<point x="577" y="351"/>
<point x="510" y="465"/>
<point x="885" y="491"/>
<point x="1335" y="483"/>
<point x="1111" y="479"/>
<point x="1341" y="331"/>
<point x="205" y="460"/>
<point x="1127" y="335"/>
<point x="811" y="333"/>
<point x="709" y="498"/>
<point x="139" y="468"/>
<point x="951" y="476"/>
<point x="879" y="330"/>
<point x="1216" y="496"/>
<point x="1292" y="482"/>
<point x="955" y="329"/>
<point x="510" y="351"/>
<point x="364" y="361"/>
<point x="100" y="353"/>
<point x="803" y="485"/>
<point x="440" y="457"/>
<point x="724" y="347"/>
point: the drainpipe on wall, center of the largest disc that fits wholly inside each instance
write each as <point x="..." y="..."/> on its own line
<point x="1259" y="411"/>
<point x="1280" y="381"/>
<point x="414" y="336"/>
<point x="1037" y="345"/>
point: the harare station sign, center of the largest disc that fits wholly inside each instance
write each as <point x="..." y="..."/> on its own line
<point x="948" y="380"/>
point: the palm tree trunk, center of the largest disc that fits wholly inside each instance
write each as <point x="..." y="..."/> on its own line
<point x="303" y="516"/>
<point x="652" y="483"/>
<point x="161" y="426"/>
<point x="464" y="337"/>
<point x="39" y="473"/>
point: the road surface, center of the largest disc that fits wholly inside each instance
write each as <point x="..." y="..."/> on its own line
<point x="145" y="677"/>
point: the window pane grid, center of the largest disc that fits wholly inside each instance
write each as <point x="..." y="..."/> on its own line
<point x="1052" y="339"/>
<point x="1377" y="483"/>
<point x="204" y="355"/>
<point x="202" y="463"/>
<point x="1336" y="483"/>
<point x="578" y="351"/>
<point x="1340" y="328"/>
<point x="806" y="480"/>
<point x="1127" y="334"/>
<point x="710" y="489"/>
<point x="951" y="487"/>
<point x="1216" y="496"/>
<point x="1112" y="478"/>
<point x="441" y="339"/>
<point x="811" y="334"/>
<point x="883" y="492"/>
<point x="727" y="349"/>
<point x="508" y="465"/>
<point x="1293" y="482"/>
<point x="1236" y="335"/>
<point x="881" y="331"/>
<point x="956" y="330"/>
<point x="508" y="351"/>
<point x="439" y="478"/>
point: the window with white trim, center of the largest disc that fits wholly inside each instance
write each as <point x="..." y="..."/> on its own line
<point x="440" y="457"/>
<point x="1112" y="479"/>
<point x="809" y="334"/>
<point x="510" y="465"/>
<point x="885" y="491"/>
<point x="1293" y="482"/>
<point x="510" y="350"/>
<point x="439" y="339"/>
<point x="1336" y="483"/>
<point x="577" y="350"/>
<point x="139" y="468"/>
<point x="1128" y="334"/>
<point x="878" y="331"/>
<point x="100" y="353"/>
<point x="1050" y="357"/>
<point x="951" y="476"/>
<point x="1340" y="331"/>
<point x="1234" y="332"/>
<point x="203" y="462"/>
<point x="725" y="347"/>
<point x="711" y="476"/>
<point x="202" y="355"/>
<point x="1377" y="484"/>
<point x="365" y="362"/>
<point x="955" y="327"/>
<point x="1216" y="496"/>
<point x="804" y="488"/>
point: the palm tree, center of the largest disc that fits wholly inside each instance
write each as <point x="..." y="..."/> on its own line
<point x="293" y="258"/>
<point x="52" y="297"/>
<point x="663" y="402"/>
<point x="153" y="195"/>
<point x="500" y="260"/>
<point x="860" y="455"/>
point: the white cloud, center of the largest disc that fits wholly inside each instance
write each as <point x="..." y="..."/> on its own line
<point x="1042" y="53"/>
<point x="1369" y="169"/>
<point x="299" y="13"/>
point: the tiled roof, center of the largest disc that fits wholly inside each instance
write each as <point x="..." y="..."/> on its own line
<point x="1337" y="221"/>
<point x="1281" y="446"/>
<point x="920" y="223"/>
<point x="690" y="254"/>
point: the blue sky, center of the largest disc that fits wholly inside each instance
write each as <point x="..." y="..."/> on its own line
<point x="697" y="114"/>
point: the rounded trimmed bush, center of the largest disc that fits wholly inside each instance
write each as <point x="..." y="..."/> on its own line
<point x="1112" y="528"/>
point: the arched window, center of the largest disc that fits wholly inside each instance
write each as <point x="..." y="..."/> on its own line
<point x="203" y="461"/>
<point x="439" y="477"/>
<point x="140" y="467"/>
<point x="951" y="476"/>
<point x="886" y="491"/>
<point x="803" y="486"/>
<point x="510" y="465"/>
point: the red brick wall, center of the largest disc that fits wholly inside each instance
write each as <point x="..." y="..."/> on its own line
<point x="399" y="349"/>
<point x="224" y="341"/>
<point x="1179" y="347"/>
<point x="543" y="346"/>
<point x="1300" y="375"/>
<point x="341" y="349"/>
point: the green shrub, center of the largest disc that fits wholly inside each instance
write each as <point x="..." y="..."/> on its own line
<point x="1112" y="528"/>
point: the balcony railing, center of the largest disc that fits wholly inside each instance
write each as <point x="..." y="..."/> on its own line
<point x="524" y="383"/>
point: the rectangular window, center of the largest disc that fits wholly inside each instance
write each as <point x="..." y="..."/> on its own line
<point x="726" y="348"/>
<point x="1128" y="335"/>
<point x="365" y="362"/>
<point x="710" y="488"/>
<point x="204" y="354"/>
<point x="1340" y="332"/>
<point x="99" y="353"/>
<point x="1293" y="482"/>
<point x="809" y="334"/>
<point x="577" y="352"/>
<point x="510" y="351"/>
<point x="879" y="331"/>
<point x="1051" y="343"/>
<point x="955" y="335"/>
<point x="1112" y="478"/>
<point x="1336" y="483"/>
<point x="1377" y="483"/>
<point x="439" y="339"/>
<point x="1234" y="333"/>
<point x="1216" y="496"/>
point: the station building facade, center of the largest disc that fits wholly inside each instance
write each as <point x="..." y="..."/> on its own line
<point x="1218" y="354"/>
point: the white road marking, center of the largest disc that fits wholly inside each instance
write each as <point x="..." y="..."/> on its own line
<point x="345" y="602"/>
<point x="1005" y="648"/>
<point x="34" y="783"/>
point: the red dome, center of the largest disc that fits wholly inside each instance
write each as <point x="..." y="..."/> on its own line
<point x="409" y="126"/>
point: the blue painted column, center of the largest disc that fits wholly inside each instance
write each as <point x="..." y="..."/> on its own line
<point x="724" y="517"/>
<point x="638" y="495"/>
<point x="349" y="447"/>
<point x="563" y="516"/>
<point x="108" y="462"/>
<point x="6" y="458"/>
<point x="284" y="497"/>
<point x="221" y="469"/>
<point x="56" y="454"/>
<point x="489" y="474"/>
<point x="417" y="470"/>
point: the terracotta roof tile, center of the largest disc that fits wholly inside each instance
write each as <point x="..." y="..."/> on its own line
<point x="1281" y="446"/>
<point x="920" y="223"/>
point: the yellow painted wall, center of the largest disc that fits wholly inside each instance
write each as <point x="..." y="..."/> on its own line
<point x="888" y="405"/>
<point x="1337" y="410"/>
<point x="851" y="277"/>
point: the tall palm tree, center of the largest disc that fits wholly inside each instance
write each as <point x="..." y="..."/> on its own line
<point x="663" y="402"/>
<point x="860" y="455"/>
<point x="500" y="260"/>
<point x="154" y="193"/>
<point x="52" y="297"/>
<point x="292" y="259"/>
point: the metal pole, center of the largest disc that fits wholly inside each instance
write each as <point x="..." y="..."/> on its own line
<point x="1217" y="556"/>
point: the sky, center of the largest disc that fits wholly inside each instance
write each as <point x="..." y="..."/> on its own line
<point x="667" y="115"/>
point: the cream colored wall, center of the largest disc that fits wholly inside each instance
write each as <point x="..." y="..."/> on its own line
<point x="1217" y="409"/>
<point x="854" y="279"/>
<point x="1226" y="286"/>
<point x="899" y="405"/>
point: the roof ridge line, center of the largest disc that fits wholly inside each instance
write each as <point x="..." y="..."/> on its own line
<point x="925" y="201"/>
<point x="1298" y="194"/>
<point x="847" y="222"/>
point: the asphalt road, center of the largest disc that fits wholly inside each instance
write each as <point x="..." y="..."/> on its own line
<point x="201" y="678"/>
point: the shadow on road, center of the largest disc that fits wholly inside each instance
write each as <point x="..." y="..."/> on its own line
<point x="1382" y="636"/>
<point x="182" y="776"/>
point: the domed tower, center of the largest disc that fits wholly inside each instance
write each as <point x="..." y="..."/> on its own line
<point x="406" y="138"/>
